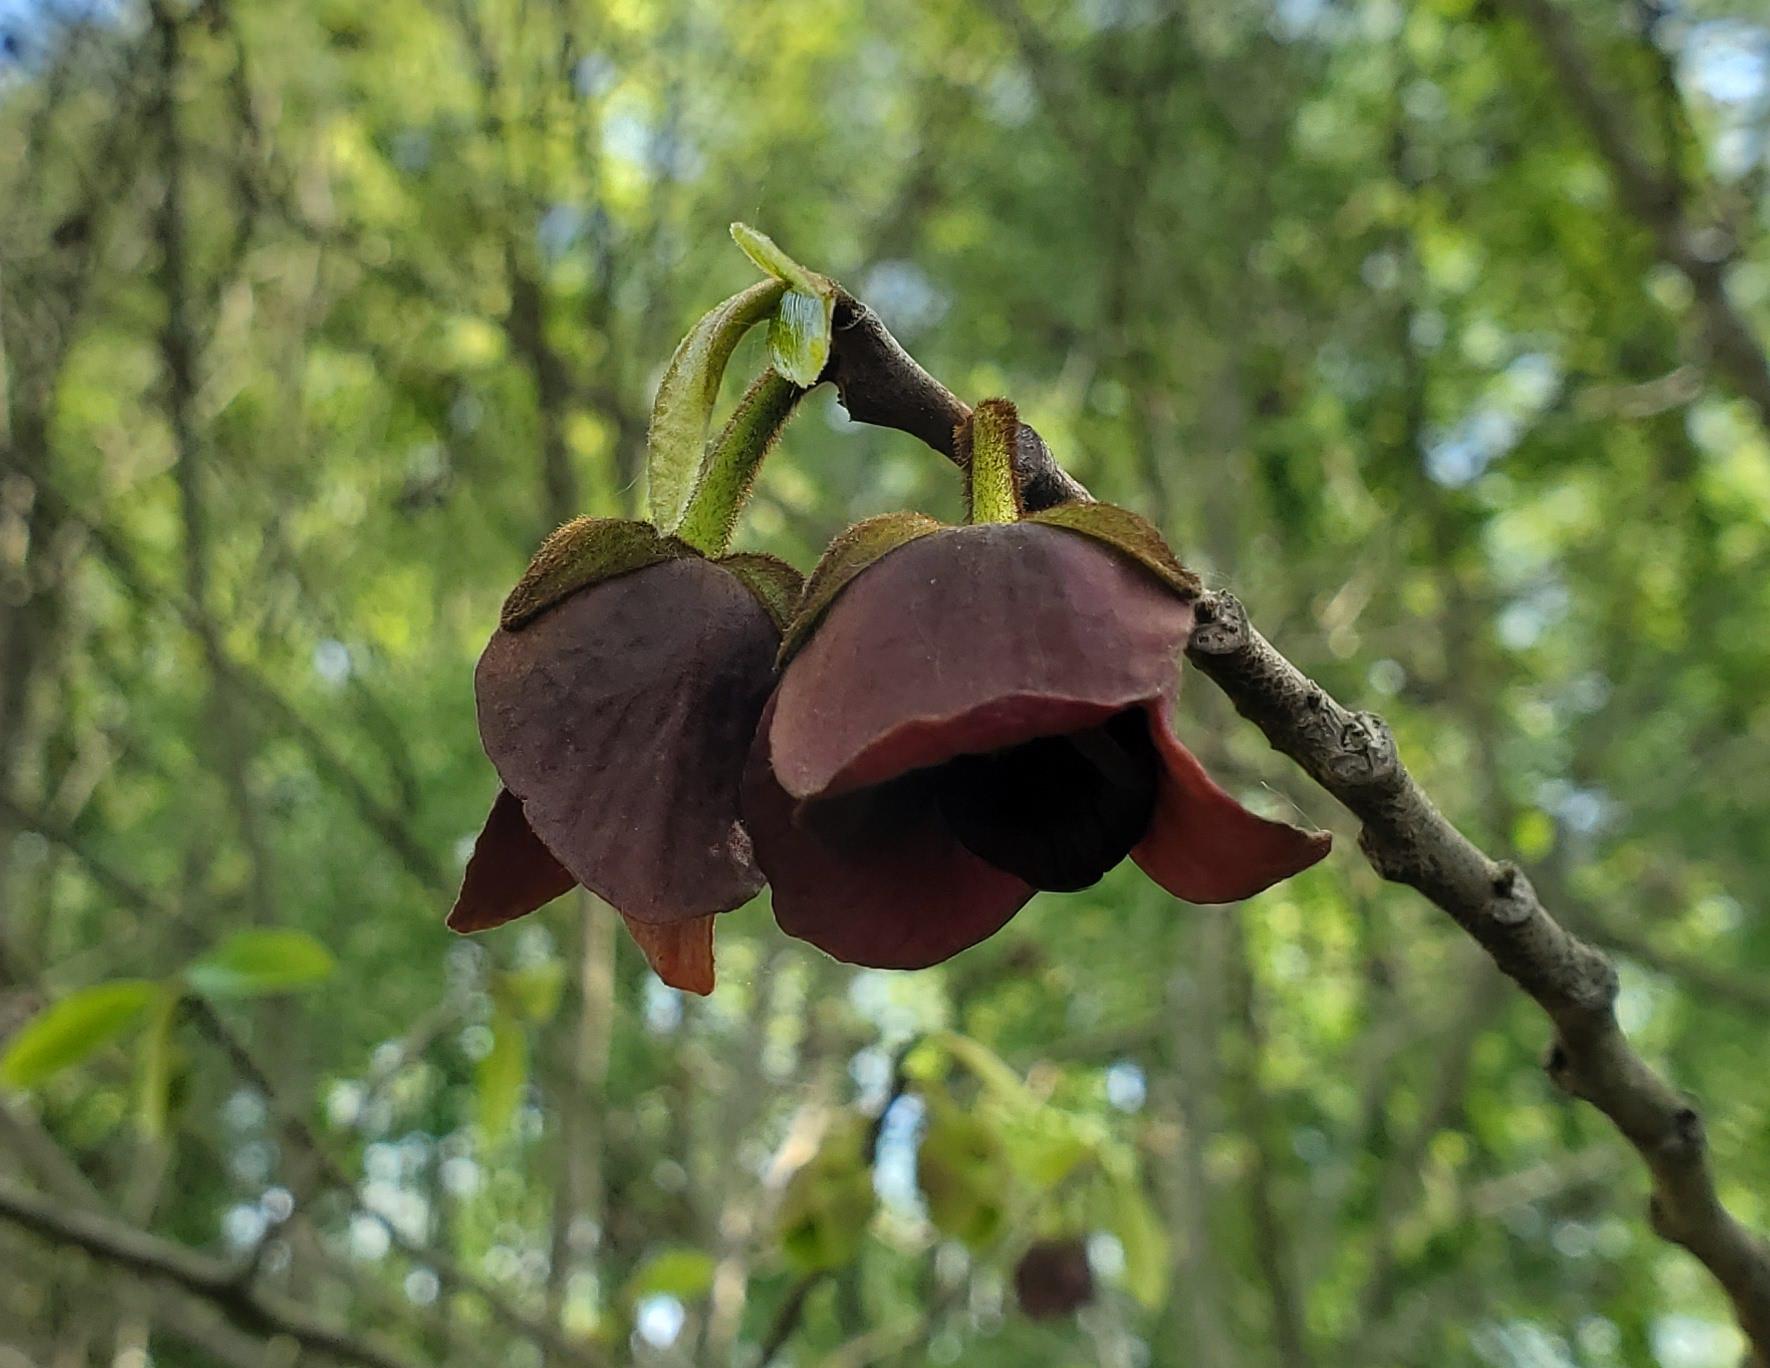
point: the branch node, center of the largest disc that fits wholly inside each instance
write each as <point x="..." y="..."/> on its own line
<point x="1514" y="901"/>
<point x="1219" y="624"/>
<point x="1366" y="756"/>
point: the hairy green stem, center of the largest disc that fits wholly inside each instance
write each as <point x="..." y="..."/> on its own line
<point x="992" y="486"/>
<point x="730" y="467"/>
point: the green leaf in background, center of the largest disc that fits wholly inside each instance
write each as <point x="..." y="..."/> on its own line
<point x="532" y="992"/>
<point x="989" y="1069"/>
<point x="69" y="1031"/>
<point x="680" y="1273"/>
<point x="962" y="1173"/>
<point x="677" y="440"/>
<point x="155" y="1056"/>
<point x="501" y="1076"/>
<point x="254" y="963"/>
<point x="1140" y="1234"/>
<point x="1045" y="1144"/>
<point x="829" y="1202"/>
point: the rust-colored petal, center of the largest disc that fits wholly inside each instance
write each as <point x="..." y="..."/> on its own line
<point x="875" y="878"/>
<point x="1205" y="847"/>
<point x="509" y="874"/>
<point x="681" y="953"/>
<point x="967" y="640"/>
<point x="621" y="717"/>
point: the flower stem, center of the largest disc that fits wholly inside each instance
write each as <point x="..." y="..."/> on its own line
<point x="730" y="467"/>
<point x="992" y="486"/>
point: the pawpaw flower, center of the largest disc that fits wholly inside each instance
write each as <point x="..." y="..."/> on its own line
<point x="617" y="700"/>
<point x="968" y="715"/>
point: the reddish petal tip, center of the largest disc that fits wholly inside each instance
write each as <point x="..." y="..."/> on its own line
<point x="510" y="873"/>
<point x="681" y="953"/>
<point x="1203" y="846"/>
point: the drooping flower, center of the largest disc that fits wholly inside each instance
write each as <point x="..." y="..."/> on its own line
<point x="968" y="715"/>
<point x="617" y="701"/>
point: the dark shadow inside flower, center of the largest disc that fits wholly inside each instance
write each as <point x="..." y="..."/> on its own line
<point x="1058" y="811"/>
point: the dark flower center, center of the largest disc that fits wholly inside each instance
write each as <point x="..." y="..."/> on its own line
<point x="1058" y="811"/>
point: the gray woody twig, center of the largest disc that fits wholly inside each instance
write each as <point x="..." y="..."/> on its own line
<point x="212" y="1279"/>
<point x="1407" y="840"/>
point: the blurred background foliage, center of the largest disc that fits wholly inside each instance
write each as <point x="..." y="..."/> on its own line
<point x="317" y="315"/>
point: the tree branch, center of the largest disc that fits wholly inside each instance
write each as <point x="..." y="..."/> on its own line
<point x="1656" y="197"/>
<point x="212" y="1279"/>
<point x="1407" y="840"/>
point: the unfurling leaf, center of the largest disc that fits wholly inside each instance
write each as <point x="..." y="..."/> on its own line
<point x="677" y="440"/>
<point x="255" y="963"/>
<point x="73" y="1029"/>
<point x="799" y="336"/>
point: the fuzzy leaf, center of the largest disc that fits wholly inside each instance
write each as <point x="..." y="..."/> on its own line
<point x="254" y="963"/>
<point x="73" y="1029"/>
<point x="677" y="438"/>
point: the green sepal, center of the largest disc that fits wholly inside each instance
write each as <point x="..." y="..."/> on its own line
<point x="1125" y="532"/>
<point x="676" y="441"/>
<point x="585" y="551"/>
<point x="776" y="585"/>
<point x="851" y="552"/>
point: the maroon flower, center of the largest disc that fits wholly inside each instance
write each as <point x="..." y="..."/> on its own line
<point x="972" y="714"/>
<point x="617" y="701"/>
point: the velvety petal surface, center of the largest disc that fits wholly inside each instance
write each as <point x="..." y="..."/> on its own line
<point x="971" y="639"/>
<point x="680" y="953"/>
<point x="621" y="717"/>
<point x="1205" y="847"/>
<point x="875" y="878"/>
<point x="509" y="874"/>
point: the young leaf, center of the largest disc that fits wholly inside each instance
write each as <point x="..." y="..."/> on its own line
<point x="69" y="1031"/>
<point x="677" y="439"/>
<point x="799" y="336"/>
<point x="767" y="255"/>
<point x="501" y="1076"/>
<point x="154" y="1059"/>
<point x="254" y="963"/>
